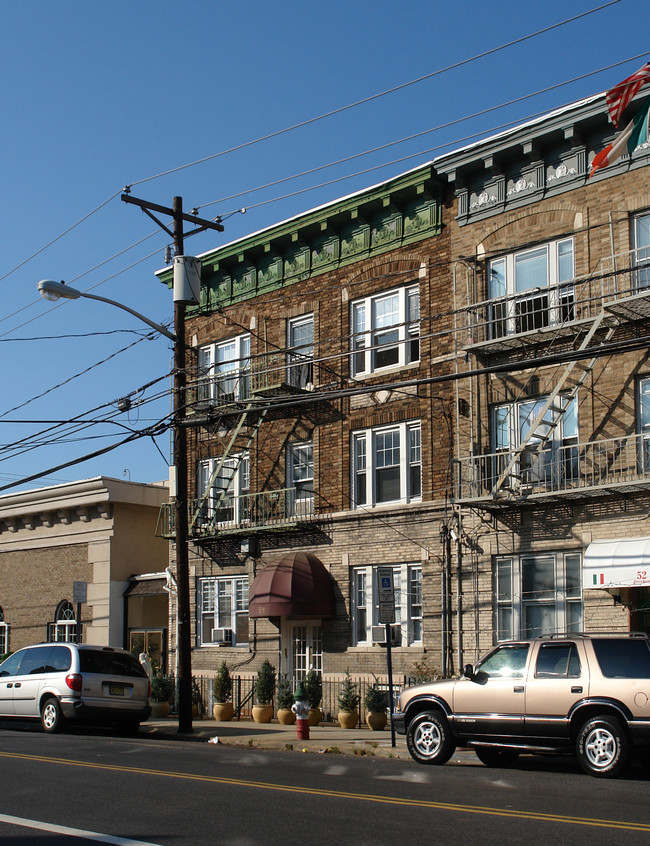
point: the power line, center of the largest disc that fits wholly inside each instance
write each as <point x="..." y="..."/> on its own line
<point x="149" y="336"/>
<point x="437" y="128"/>
<point x="377" y="96"/>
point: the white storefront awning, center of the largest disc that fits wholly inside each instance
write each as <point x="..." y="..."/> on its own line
<point x="617" y="564"/>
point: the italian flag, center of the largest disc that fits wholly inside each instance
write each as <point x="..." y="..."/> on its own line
<point x="599" y="579"/>
<point x="634" y="134"/>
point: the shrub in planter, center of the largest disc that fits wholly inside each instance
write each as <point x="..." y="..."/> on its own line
<point x="348" y="700"/>
<point x="163" y="690"/>
<point x="313" y="685"/>
<point x="197" y="699"/>
<point x="376" y="702"/>
<point x="285" y="693"/>
<point x="285" y="701"/>
<point x="222" y="684"/>
<point x="313" y="688"/>
<point x="264" y="693"/>
<point x="222" y="691"/>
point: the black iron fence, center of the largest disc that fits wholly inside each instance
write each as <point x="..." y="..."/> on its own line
<point x="243" y="695"/>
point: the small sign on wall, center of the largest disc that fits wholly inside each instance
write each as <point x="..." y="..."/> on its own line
<point x="80" y="592"/>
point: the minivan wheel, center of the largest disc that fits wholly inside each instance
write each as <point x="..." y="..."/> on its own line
<point x="602" y="747"/>
<point x="51" y="716"/>
<point x="496" y="756"/>
<point x="429" y="740"/>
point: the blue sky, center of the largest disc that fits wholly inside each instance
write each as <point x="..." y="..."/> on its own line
<point x="100" y="95"/>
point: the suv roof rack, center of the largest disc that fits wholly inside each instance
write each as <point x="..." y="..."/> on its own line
<point x="557" y="635"/>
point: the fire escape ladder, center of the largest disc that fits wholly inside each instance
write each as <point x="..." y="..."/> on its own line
<point x="542" y="427"/>
<point x="216" y="473"/>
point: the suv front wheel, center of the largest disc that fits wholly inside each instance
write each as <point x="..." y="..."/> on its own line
<point x="428" y="739"/>
<point x="602" y="747"/>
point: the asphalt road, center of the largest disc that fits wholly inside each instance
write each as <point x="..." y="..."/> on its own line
<point x="125" y="791"/>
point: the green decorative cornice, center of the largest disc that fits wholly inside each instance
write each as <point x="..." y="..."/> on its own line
<point x="369" y="223"/>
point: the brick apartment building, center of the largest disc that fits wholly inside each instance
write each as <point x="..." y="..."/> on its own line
<point x="551" y="295"/>
<point x="446" y="375"/>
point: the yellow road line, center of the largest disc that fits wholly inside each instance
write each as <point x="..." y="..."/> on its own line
<point x="341" y="794"/>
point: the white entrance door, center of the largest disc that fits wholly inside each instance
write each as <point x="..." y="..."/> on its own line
<point x="305" y="649"/>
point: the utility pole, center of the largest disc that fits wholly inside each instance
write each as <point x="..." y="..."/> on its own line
<point x="184" y="640"/>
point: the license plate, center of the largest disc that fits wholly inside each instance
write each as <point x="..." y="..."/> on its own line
<point x="116" y="690"/>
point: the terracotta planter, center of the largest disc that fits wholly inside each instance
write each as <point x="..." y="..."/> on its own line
<point x="348" y="719"/>
<point x="315" y="716"/>
<point x="262" y="713"/>
<point x="286" y="717"/>
<point x="160" y="709"/>
<point x="376" y="720"/>
<point x="223" y="711"/>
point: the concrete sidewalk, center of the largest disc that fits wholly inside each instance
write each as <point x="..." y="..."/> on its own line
<point x="322" y="738"/>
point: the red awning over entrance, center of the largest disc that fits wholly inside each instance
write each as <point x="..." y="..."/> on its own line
<point x="298" y="585"/>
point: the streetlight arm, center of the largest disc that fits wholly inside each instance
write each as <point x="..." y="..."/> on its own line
<point x="50" y="290"/>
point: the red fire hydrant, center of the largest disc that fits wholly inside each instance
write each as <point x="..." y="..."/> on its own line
<point x="300" y="708"/>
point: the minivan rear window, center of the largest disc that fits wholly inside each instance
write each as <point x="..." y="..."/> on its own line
<point x="109" y="663"/>
<point x="623" y="658"/>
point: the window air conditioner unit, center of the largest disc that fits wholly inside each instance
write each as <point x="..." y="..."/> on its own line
<point x="378" y="634"/>
<point x="222" y="636"/>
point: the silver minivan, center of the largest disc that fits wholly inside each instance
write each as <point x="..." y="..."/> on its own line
<point x="55" y="682"/>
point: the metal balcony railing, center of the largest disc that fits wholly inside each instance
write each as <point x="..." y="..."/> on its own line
<point x="250" y="512"/>
<point x="621" y="278"/>
<point x="569" y="470"/>
<point x="269" y="372"/>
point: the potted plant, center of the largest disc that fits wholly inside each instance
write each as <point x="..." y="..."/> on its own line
<point x="313" y="685"/>
<point x="348" y="700"/>
<point x="162" y="692"/>
<point x="376" y="702"/>
<point x="285" y="700"/>
<point x="264" y="693"/>
<point x="222" y="710"/>
<point x="197" y="699"/>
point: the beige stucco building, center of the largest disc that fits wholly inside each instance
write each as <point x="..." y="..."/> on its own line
<point x="99" y="532"/>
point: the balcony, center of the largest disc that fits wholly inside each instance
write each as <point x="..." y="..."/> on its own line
<point x="620" y="285"/>
<point x="573" y="471"/>
<point x="266" y="511"/>
<point x="266" y="375"/>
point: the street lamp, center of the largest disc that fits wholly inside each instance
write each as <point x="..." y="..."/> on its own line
<point x="50" y="290"/>
<point x="54" y="291"/>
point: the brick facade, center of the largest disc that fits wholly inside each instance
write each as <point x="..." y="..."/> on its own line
<point x="521" y="190"/>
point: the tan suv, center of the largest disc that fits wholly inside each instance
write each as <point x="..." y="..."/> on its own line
<point x="586" y="694"/>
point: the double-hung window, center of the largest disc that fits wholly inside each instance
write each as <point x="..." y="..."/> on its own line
<point x="538" y="594"/>
<point x="300" y="358"/>
<point x="643" y="426"/>
<point x="387" y="464"/>
<point x="552" y="457"/>
<point x="385" y="330"/>
<point x="300" y="478"/>
<point x="222" y="489"/>
<point x="4" y="634"/>
<point x="224" y="370"/>
<point x="364" y="604"/>
<point x="531" y="289"/>
<point x="641" y="250"/>
<point x="222" y="605"/>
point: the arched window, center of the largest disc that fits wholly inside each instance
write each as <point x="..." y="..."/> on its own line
<point x="64" y="627"/>
<point x="4" y="634"/>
